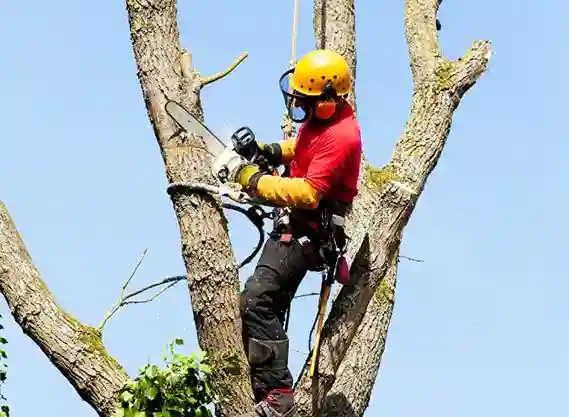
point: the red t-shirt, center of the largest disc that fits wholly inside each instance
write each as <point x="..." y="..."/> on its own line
<point x="328" y="157"/>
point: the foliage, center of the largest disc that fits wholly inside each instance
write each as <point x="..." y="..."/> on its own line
<point x="182" y="389"/>
<point x="4" y="409"/>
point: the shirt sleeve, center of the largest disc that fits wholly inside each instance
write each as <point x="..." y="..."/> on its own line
<point x="330" y="157"/>
<point x="287" y="192"/>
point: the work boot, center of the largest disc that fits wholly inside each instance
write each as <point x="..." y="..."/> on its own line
<point x="279" y="403"/>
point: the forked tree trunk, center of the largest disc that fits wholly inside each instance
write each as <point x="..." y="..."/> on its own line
<point x="354" y="335"/>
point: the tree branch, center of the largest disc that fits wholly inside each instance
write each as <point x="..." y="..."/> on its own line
<point x="125" y="300"/>
<point x="168" y="283"/>
<point x="468" y="68"/>
<point x="208" y="80"/>
<point x="411" y="259"/>
<point x="164" y="72"/>
<point x="74" y="348"/>
<point x="437" y="92"/>
<point x="120" y="301"/>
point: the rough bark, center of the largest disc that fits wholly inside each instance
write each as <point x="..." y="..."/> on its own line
<point x="347" y="398"/>
<point x="386" y="201"/>
<point x="335" y="28"/>
<point x="165" y="72"/>
<point x="75" y="349"/>
<point x="439" y="84"/>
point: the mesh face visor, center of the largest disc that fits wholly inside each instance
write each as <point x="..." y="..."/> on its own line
<point x="297" y="104"/>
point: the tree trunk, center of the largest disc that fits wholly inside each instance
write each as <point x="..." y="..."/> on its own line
<point x="335" y="29"/>
<point x="360" y="314"/>
<point x="165" y="72"/>
<point x="439" y="84"/>
<point x="75" y="349"/>
<point x="357" y="373"/>
<point x="363" y="357"/>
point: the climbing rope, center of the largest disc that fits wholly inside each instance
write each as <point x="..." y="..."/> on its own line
<point x="287" y="124"/>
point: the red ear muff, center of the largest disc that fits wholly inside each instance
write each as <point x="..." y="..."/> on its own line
<point x="325" y="109"/>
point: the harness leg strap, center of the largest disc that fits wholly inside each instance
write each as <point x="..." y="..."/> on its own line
<point x="268" y="354"/>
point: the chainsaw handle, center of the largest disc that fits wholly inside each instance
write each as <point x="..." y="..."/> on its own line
<point x="244" y="144"/>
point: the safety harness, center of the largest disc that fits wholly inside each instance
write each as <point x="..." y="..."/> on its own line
<point x="322" y="236"/>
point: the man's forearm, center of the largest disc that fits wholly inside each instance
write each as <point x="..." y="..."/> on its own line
<point x="292" y="192"/>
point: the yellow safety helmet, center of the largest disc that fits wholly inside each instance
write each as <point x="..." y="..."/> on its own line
<point x="311" y="86"/>
<point x="321" y="69"/>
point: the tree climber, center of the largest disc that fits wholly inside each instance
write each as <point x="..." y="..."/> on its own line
<point x="323" y="165"/>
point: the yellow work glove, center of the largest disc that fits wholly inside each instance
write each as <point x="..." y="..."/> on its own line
<point x="245" y="174"/>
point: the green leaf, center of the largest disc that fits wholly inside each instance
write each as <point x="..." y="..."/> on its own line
<point x="129" y="412"/>
<point x="151" y="371"/>
<point x="200" y="355"/>
<point x="179" y="389"/>
<point x="205" y="368"/>
<point x="126" y="396"/>
<point x="151" y="392"/>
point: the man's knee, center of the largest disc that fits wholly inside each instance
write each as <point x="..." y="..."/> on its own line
<point x="267" y="354"/>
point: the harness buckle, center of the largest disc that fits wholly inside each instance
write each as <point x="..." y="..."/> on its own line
<point x="286" y="238"/>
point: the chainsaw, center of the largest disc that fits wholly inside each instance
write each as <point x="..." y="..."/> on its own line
<point x="242" y="150"/>
<point x="229" y="158"/>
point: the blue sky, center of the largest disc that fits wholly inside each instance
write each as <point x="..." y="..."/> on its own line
<point x="480" y="328"/>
